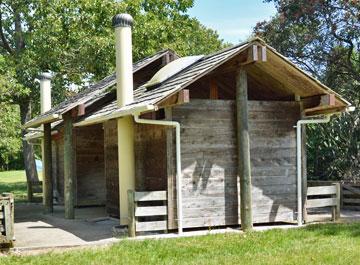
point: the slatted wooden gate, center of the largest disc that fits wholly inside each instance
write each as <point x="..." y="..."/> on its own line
<point x="351" y="196"/>
<point x="6" y="220"/>
<point x="147" y="211"/>
<point x="323" y="196"/>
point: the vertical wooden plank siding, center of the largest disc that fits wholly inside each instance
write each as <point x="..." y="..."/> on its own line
<point x="111" y="168"/>
<point x="47" y="175"/>
<point x="243" y="150"/>
<point x="69" y="175"/>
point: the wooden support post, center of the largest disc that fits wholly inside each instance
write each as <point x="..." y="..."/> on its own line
<point x="131" y="208"/>
<point x="338" y="203"/>
<point x="243" y="150"/>
<point x="171" y="175"/>
<point x="47" y="171"/>
<point x="69" y="175"/>
<point x="8" y="212"/>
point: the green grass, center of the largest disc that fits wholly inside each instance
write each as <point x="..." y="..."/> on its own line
<point x="14" y="182"/>
<point x="317" y="244"/>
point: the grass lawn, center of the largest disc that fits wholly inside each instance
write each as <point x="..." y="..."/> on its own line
<point x="14" y="182"/>
<point x="317" y="244"/>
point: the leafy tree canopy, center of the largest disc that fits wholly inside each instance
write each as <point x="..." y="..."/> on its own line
<point x="323" y="37"/>
<point x="74" y="39"/>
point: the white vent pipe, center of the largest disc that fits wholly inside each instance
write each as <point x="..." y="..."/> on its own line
<point x="124" y="66"/>
<point x="45" y="92"/>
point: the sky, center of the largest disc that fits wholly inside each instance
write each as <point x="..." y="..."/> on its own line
<point x="232" y="19"/>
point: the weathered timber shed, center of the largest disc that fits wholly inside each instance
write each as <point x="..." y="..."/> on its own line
<point x="96" y="182"/>
<point x="219" y="134"/>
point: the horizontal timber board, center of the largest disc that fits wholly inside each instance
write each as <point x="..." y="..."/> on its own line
<point x="313" y="203"/>
<point x="266" y="218"/>
<point x="150" y="211"/>
<point x="354" y="201"/>
<point x="210" y="221"/>
<point x="347" y="192"/>
<point x="273" y="210"/>
<point x="151" y="226"/>
<point x="150" y="196"/>
<point x="351" y="188"/>
<point x="321" y="190"/>
<point x="207" y="178"/>
<point x="196" y="202"/>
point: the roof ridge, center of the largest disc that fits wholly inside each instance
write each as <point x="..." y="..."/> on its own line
<point x="226" y="49"/>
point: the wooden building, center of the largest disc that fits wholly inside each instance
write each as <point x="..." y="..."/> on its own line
<point x="237" y="112"/>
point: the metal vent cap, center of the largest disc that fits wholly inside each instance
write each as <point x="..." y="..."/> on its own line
<point x="122" y="20"/>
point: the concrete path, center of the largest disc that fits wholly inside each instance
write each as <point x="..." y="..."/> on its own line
<point x="36" y="231"/>
<point x="33" y="229"/>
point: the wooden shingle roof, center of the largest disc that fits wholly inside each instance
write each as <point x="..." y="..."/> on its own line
<point x="144" y="97"/>
<point x="93" y="93"/>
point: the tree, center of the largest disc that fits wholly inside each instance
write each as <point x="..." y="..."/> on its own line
<point x="10" y="141"/>
<point x="74" y="39"/>
<point x="323" y="37"/>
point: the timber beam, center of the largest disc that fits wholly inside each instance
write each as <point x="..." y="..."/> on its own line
<point x="182" y="97"/>
<point x="77" y="111"/>
<point x="255" y="53"/>
<point x="318" y="104"/>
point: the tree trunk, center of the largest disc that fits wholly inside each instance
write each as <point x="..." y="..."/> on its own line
<point x="28" y="151"/>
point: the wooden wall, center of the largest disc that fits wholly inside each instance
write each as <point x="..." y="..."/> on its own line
<point x="90" y="175"/>
<point x="209" y="161"/>
<point x="150" y="157"/>
<point x="89" y="165"/>
<point x="208" y="151"/>
<point x="58" y="165"/>
<point x="273" y="160"/>
<point x="111" y="168"/>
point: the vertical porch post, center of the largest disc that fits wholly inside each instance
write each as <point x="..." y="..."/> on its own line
<point x="243" y="149"/>
<point x="69" y="175"/>
<point x="47" y="170"/>
<point x="126" y="160"/>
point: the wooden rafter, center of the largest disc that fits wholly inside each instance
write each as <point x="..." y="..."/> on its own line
<point x="183" y="96"/>
<point x="319" y="104"/>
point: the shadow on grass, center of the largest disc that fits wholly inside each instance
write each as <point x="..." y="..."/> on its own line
<point x="336" y="229"/>
<point x="19" y="189"/>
